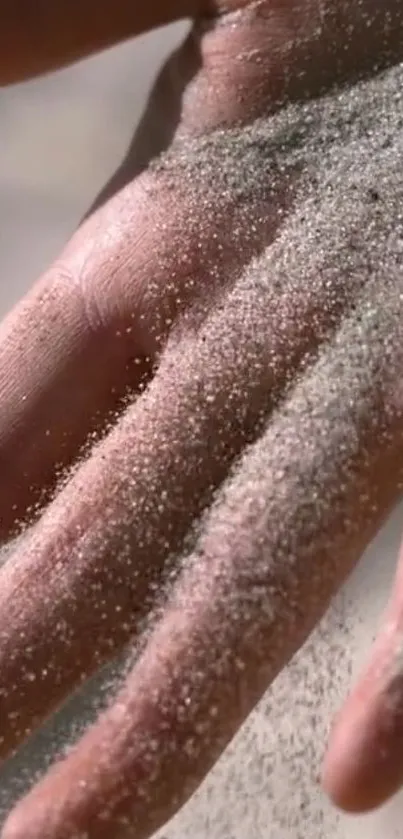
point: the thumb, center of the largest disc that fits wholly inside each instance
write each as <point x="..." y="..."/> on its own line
<point x="37" y="36"/>
<point x="364" y="763"/>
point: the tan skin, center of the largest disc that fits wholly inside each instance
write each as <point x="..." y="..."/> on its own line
<point x="86" y="333"/>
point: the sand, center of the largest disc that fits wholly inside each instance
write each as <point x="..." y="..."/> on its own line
<point x="335" y="263"/>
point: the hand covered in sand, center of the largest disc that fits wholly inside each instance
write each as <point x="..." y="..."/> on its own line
<point x="226" y="328"/>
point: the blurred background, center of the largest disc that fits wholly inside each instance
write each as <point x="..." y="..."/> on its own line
<point x="61" y="138"/>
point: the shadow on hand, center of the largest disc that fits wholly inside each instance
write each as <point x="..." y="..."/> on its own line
<point x="160" y="119"/>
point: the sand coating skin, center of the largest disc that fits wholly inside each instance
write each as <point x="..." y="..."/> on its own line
<point x="273" y="422"/>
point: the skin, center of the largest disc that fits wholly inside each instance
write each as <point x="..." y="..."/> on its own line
<point x="86" y="333"/>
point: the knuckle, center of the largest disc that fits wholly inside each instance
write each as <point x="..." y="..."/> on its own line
<point x="70" y="281"/>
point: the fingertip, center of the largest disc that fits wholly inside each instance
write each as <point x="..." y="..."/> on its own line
<point x="363" y="767"/>
<point x="16" y="827"/>
<point x="343" y="772"/>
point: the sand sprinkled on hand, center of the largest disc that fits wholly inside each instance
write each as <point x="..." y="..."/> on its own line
<point x="298" y="355"/>
<point x="340" y="245"/>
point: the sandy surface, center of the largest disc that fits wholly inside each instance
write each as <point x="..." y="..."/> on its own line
<point x="60" y="139"/>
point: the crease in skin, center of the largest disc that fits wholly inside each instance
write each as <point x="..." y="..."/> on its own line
<point x="301" y="503"/>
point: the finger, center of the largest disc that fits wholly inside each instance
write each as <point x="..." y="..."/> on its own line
<point x="91" y="329"/>
<point x="37" y="37"/>
<point x="93" y="562"/>
<point x="68" y="355"/>
<point x="282" y="535"/>
<point x="364" y="764"/>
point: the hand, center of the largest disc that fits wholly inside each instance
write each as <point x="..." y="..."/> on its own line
<point x="228" y="323"/>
